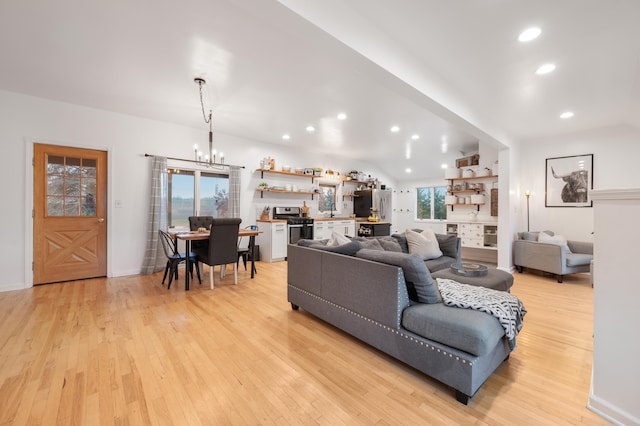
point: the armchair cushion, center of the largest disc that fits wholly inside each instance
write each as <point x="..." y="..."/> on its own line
<point x="578" y="259"/>
<point x="557" y="239"/>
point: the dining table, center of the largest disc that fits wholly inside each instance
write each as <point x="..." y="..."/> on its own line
<point x="188" y="236"/>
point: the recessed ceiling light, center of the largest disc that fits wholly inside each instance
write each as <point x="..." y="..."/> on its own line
<point x="566" y="114"/>
<point x="529" y="34"/>
<point x="286" y="137"/>
<point x="395" y="129"/>
<point x="311" y="129"/>
<point x="545" y="69"/>
<point x="407" y="170"/>
<point x="444" y="166"/>
<point x="415" y="137"/>
<point x="342" y="116"/>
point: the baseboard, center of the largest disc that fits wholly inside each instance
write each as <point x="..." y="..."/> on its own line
<point x="610" y="412"/>
<point x="12" y="287"/>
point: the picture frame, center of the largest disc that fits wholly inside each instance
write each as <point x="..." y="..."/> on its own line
<point x="569" y="181"/>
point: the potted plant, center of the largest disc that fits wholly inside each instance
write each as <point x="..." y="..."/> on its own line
<point x="263" y="186"/>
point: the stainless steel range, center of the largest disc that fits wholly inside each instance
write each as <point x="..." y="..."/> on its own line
<point x="298" y="227"/>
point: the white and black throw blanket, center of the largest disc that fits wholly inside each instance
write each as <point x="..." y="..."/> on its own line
<point x="507" y="308"/>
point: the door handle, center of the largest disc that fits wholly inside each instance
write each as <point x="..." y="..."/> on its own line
<point x="100" y="220"/>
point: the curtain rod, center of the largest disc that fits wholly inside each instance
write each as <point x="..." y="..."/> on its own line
<point x="194" y="161"/>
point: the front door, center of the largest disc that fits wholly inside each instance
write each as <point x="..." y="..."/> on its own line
<point x="69" y="226"/>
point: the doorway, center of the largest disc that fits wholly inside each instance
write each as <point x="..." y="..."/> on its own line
<point x="69" y="213"/>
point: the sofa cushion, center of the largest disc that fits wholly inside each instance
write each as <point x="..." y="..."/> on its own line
<point x="528" y="236"/>
<point x="308" y="243"/>
<point x="442" y="262"/>
<point x="369" y="243"/>
<point x="471" y="331"/>
<point x="448" y="245"/>
<point x="402" y="242"/>
<point x="337" y="239"/>
<point x="389" y="243"/>
<point x="349" y="248"/>
<point x="579" y="259"/>
<point x="421" y="287"/>
<point x="424" y="244"/>
<point x="559" y="240"/>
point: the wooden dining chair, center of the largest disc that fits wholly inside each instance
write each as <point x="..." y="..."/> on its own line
<point x="174" y="258"/>
<point x="222" y="248"/>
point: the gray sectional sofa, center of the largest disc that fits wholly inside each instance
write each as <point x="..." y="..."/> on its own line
<point x="370" y="299"/>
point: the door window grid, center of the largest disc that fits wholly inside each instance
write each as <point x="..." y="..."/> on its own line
<point x="71" y="186"/>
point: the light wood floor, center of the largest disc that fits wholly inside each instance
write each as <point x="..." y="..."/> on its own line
<point x="129" y="351"/>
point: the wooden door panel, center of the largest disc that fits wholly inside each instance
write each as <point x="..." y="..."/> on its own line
<point x="70" y="231"/>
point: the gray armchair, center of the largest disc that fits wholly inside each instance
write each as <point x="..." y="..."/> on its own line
<point x="530" y="253"/>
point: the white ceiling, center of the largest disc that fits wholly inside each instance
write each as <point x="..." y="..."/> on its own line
<point x="450" y="71"/>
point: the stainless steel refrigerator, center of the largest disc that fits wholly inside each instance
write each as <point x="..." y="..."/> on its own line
<point x="379" y="199"/>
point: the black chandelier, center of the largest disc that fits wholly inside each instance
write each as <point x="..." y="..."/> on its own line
<point x="210" y="158"/>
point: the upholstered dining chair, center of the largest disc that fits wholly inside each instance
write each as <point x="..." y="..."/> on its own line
<point x="223" y="246"/>
<point x="197" y="222"/>
<point x="174" y="258"/>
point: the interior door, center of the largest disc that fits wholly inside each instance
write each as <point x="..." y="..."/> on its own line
<point x="70" y="232"/>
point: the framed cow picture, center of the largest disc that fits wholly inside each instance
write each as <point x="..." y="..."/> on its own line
<point x="569" y="181"/>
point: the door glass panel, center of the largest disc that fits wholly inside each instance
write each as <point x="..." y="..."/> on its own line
<point x="73" y="166"/>
<point x="71" y="186"/>
<point x="71" y="206"/>
<point x="55" y="165"/>
<point x="88" y="167"/>
<point x="55" y="206"/>
<point x="55" y="185"/>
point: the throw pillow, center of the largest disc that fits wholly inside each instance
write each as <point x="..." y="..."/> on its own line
<point x="448" y="245"/>
<point x="350" y="248"/>
<point x="420" y="285"/>
<point x="402" y="241"/>
<point x="371" y="244"/>
<point x="557" y="239"/>
<point x="337" y="239"/>
<point x="389" y="243"/>
<point x="424" y="244"/>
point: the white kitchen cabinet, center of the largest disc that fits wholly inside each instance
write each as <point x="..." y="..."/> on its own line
<point x="471" y="234"/>
<point x="475" y="234"/>
<point x="345" y="227"/>
<point x="273" y="241"/>
<point x="322" y="229"/>
<point x="319" y="229"/>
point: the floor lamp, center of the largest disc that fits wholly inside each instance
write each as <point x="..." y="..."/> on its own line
<point x="527" y="194"/>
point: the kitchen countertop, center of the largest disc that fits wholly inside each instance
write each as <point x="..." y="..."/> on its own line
<point x="271" y="220"/>
<point x="322" y="218"/>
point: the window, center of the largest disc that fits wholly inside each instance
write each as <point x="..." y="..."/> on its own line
<point x="327" y="200"/>
<point x="430" y="203"/>
<point x="196" y="193"/>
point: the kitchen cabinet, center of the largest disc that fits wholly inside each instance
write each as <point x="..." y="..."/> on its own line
<point x="475" y="234"/>
<point x="273" y="241"/>
<point x="322" y="229"/>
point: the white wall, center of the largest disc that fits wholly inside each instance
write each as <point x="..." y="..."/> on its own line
<point x="616" y="152"/>
<point x="615" y="387"/>
<point x="25" y="120"/>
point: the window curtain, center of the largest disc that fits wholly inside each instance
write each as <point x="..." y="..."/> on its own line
<point x="234" y="190"/>
<point x="154" y="257"/>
